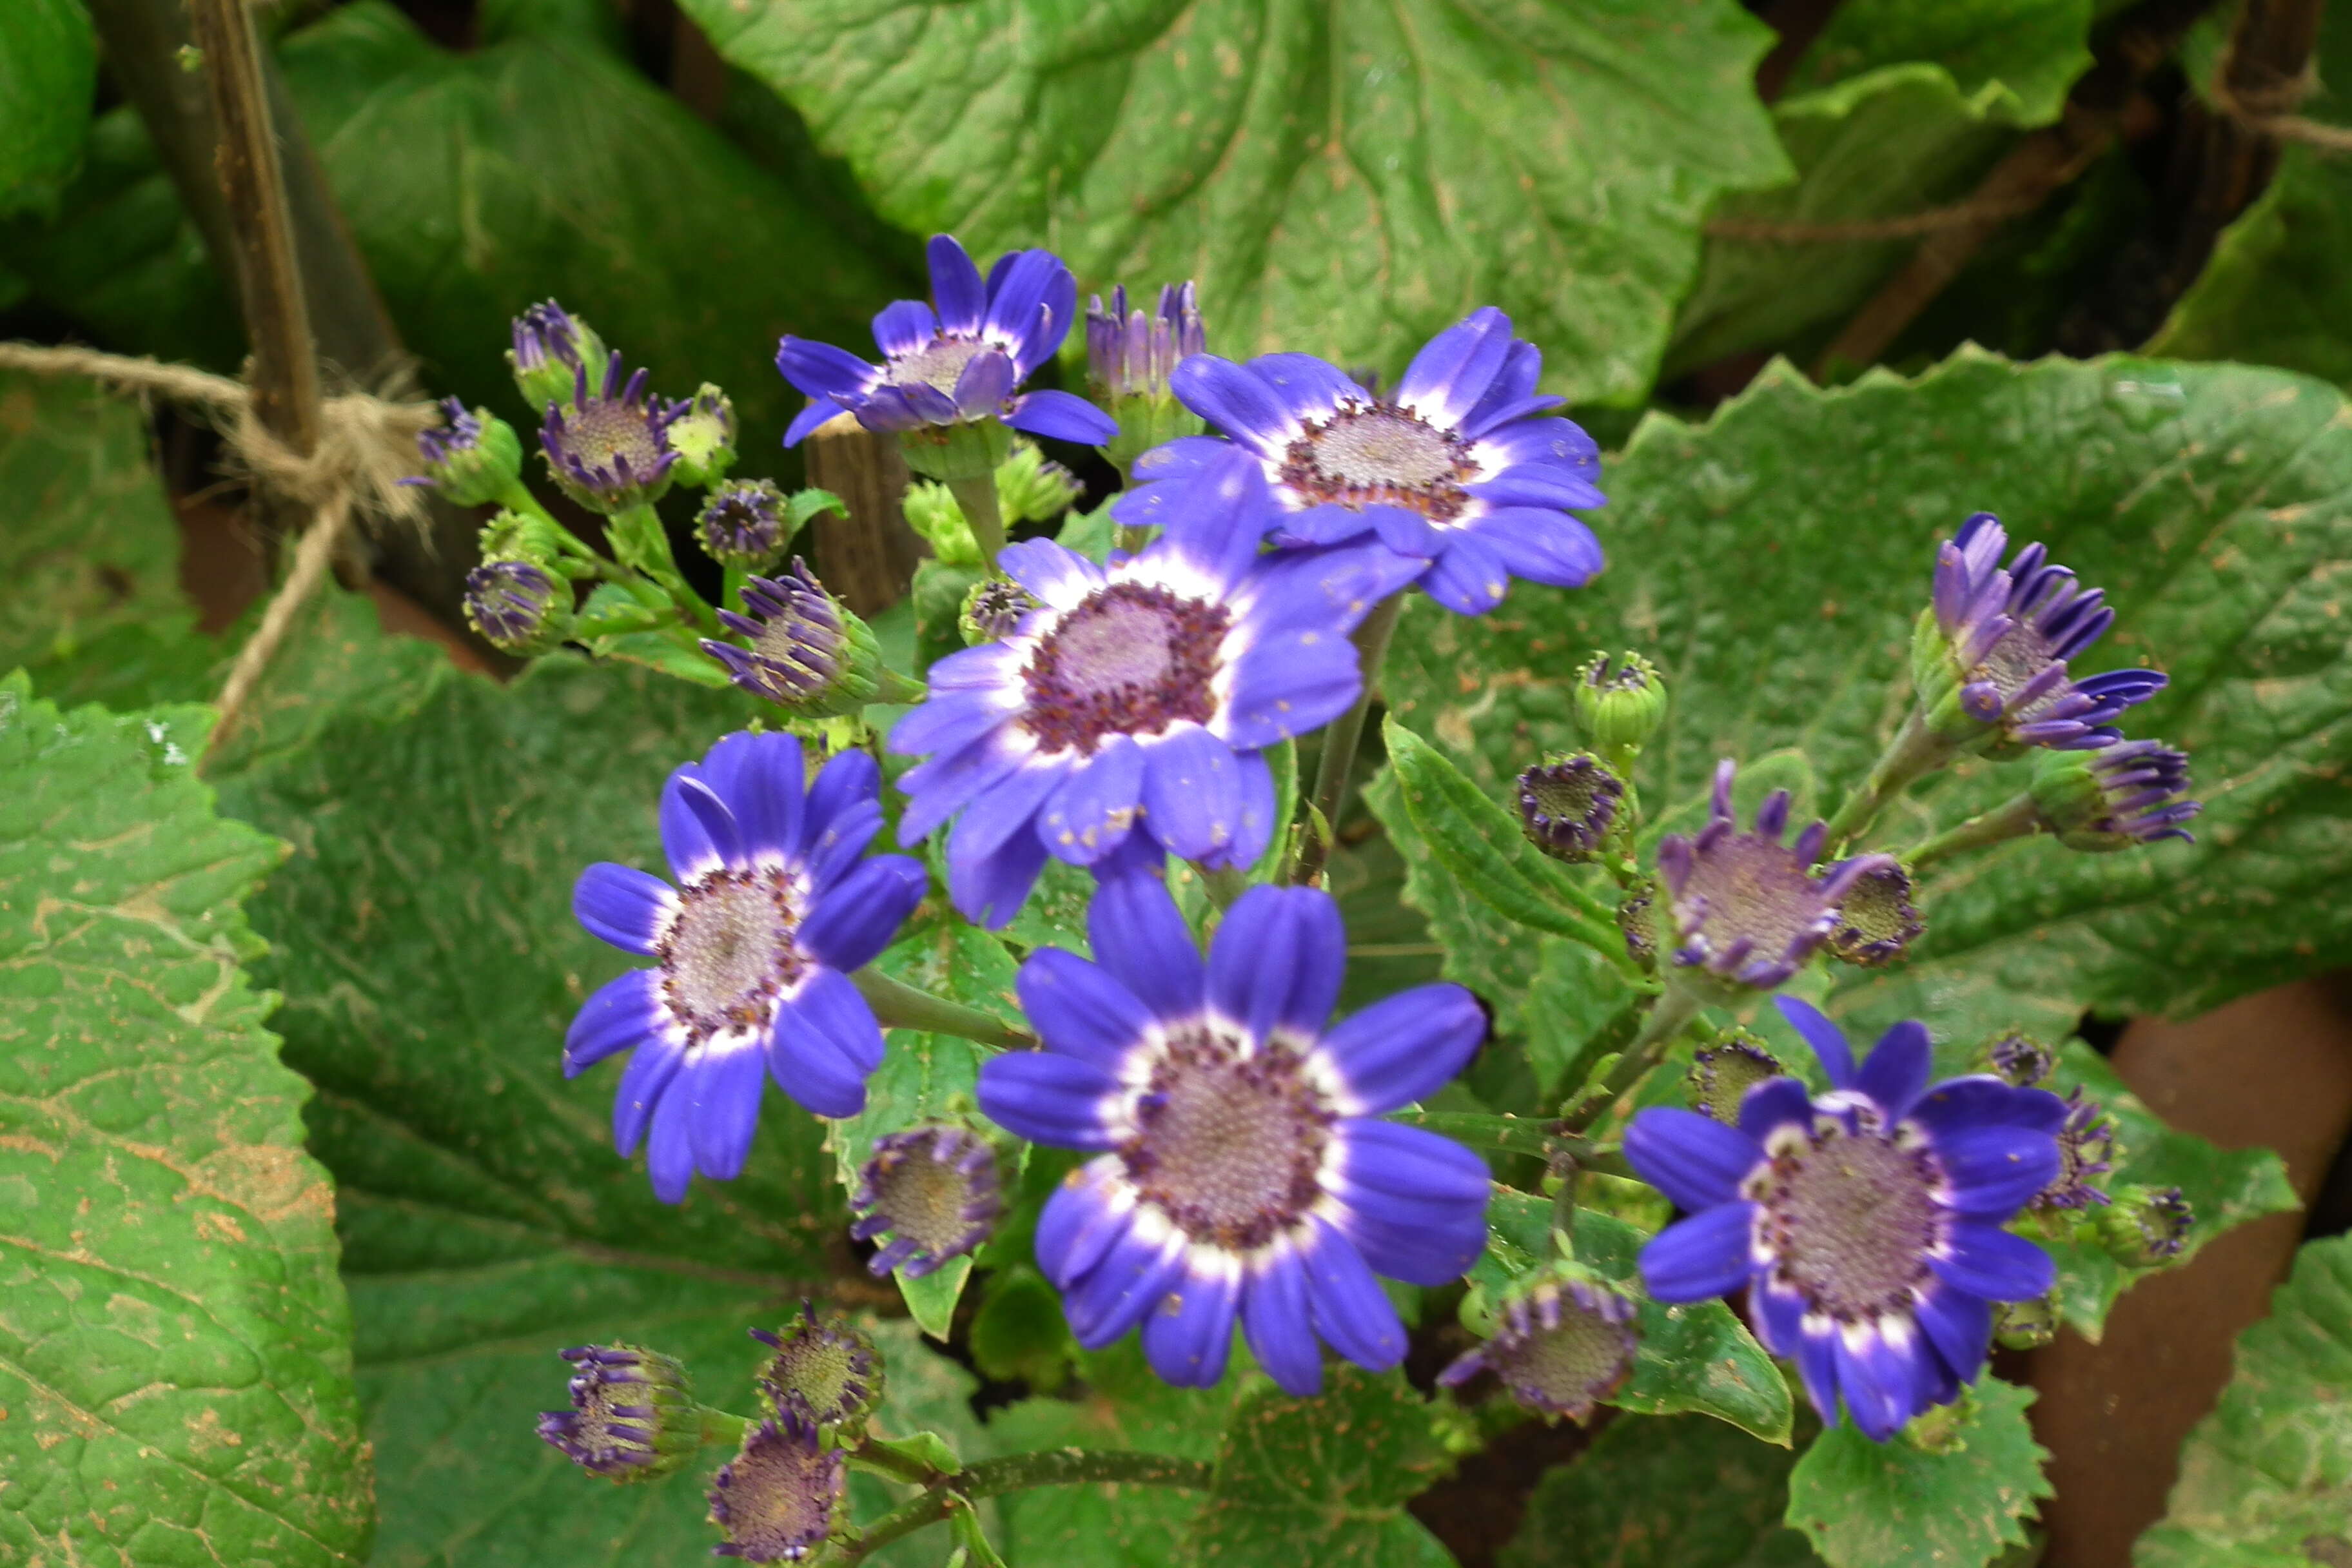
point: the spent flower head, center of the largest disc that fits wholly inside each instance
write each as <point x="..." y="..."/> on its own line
<point x="775" y="905"/>
<point x="1562" y="1343"/>
<point x="1242" y="1171"/>
<point x="702" y="434"/>
<point x="822" y="1368"/>
<point x="933" y="1192"/>
<point x="2146" y="1228"/>
<point x="994" y="610"/>
<point x="1866" y="1223"/>
<point x="2086" y="1149"/>
<point x="780" y="1497"/>
<point x="809" y="654"/>
<point x="745" y="524"/>
<point x="1460" y="468"/>
<point x="1568" y="804"/>
<point x="632" y="1417"/>
<point x="2021" y="1059"/>
<point x="1723" y="1070"/>
<point x="608" y="448"/>
<point x="1877" y="921"/>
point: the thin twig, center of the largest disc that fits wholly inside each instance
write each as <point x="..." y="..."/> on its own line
<point x="1910" y="226"/>
<point x="312" y="559"/>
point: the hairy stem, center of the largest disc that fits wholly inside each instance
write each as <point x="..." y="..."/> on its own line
<point x="2015" y="818"/>
<point x="1018" y="1472"/>
<point x="1913" y="754"/>
<point x="1675" y="1007"/>
<point x="1340" y="740"/>
<point x="899" y="1006"/>
<point x="883" y="1460"/>
<point x="977" y="501"/>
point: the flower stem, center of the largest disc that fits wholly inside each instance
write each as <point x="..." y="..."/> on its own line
<point x="2015" y="818"/>
<point x="1017" y="1472"/>
<point x="899" y="1006"/>
<point x="886" y="1459"/>
<point x="977" y="500"/>
<point x="638" y="541"/>
<point x="722" y="1428"/>
<point x="1675" y="1007"/>
<point x="1340" y="742"/>
<point x="1913" y="754"/>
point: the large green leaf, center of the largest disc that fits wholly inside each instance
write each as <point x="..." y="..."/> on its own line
<point x="2027" y="52"/>
<point x="176" y="1349"/>
<point x="2274" y="290"/>
<point x="1323" y="1480"/>
<point x="1901" y="1504"/>
<point x="2266" y="1479"/>
<point x="1341" y="179"/>
<point x="1774" y="559"/>
<point x="426" y="943"/>
<point x="1680" y="1492"/>
<point x="49" y="81"/>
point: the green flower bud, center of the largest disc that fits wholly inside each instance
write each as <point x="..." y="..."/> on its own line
<point x="2026" y="1325"/>
<point x="519" y="608"/>
<point x="551" y="344"/>
<point x="474" y="460"/>
<point x="932" y="511"/>
<point x="1619" y="707"/>
<point x="703" y="437"/>
<point x="992" y="609"/>
<point x="1029" y="489"/>
<point x="808" y="653"/>
<point x="520" y="536"/>
<point x="2144" y="1227"/>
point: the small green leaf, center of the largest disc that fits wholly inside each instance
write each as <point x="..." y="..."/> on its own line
<point x="806" y="504"/>
<point x="1680" y="1492"/>
<point x="1325" y="1479"/>
<point x="1894" y="1505"/>
<point x="49" y="85"/>
<point x="2025" y="54"/>
<point x="1698" y="1357"/>
<point x="2266" y="1479"/>
<point x="175" y="1353"/>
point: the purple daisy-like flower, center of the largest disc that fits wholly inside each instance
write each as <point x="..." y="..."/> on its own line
<point x="933" y="1192"/>
<point x="1748" y="907"/>
<point x="1139" y="696"/>
<point x="752" y="950"/>
<point x="2011" y="630"/>
<point x="608" y="448"/>
<point x="632" y="1417"/>
<point x="1457" y="466"/>
<point x="1866" y="1223"/>
<point x="957" y="362"/>
<point x="1244" y="1172"/>
<point x="778" y="1501"/>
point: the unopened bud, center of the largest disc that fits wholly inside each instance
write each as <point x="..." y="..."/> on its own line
<point x="808" y="655"/>
<point x="551" y="344"/>
<point x="631" y="1417"/>
<point x="1723" y="1071"/>
<point x="993" y="609"/>
<point x="829" y="1367"/>
<point x="1619" y="706"/>
<point x="702" y="434"/>
<point x="519" y="608"/>
<point x="473" y="458"/>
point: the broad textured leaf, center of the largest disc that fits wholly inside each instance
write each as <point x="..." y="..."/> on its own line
<point x="1698" y="1358"/>
<point x="2225" y="1187"/>
<point x="1324" y="1480"/>
<point x="426" y="944"/>
<point x="175" y="1348"/>
<point x="1675" y="1493"/>
<point x="1774" y="559"/>
<point x="931" y="1078"/>
<point x="2266" y="1479"/>
<point x="1341" y="179"/>
<point x="1894" y="1505"/>
<point x="1125" y="1407"/>
<point x="2274" y="290"/>
<point x="2029" y="52"/>
<point x="49" y="81"/>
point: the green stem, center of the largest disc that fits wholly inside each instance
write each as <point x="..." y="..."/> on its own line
<point x="516" y="497"/>
<point x="875" y="1455"/>
<point x="723" y="1428"/>
<point x="899" y="1006"/>
<point x="977" y="501"/>
<point x="1340" y="742"/>
<point x="2014" y="819"/>
<point x="1675" y="1007"/>
<point x="1912" y="754"/>
<point x="1133" y="537"/>
<point x="897" y="689"/>
<point x="640" y="541"/>
<point x="1054" y="1467"/>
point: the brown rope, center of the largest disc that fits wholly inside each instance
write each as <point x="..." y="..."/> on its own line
<point x="2269" y="110"/>
<point x="366" y="446"/>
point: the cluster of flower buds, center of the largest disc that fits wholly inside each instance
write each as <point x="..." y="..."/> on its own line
<point x="808" y="655"/>
<point x="1130" y="356"/>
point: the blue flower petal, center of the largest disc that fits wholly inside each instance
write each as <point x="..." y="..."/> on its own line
<point x="1385" y="1159"/>
<point x="821" y="369"/>
<point x="985" y="381"/>
<point x="951" y="720"/>
<point x="829" y="1003"/>
<point x="1327" y="523"/>
<point x="1407" y="532"/>
<point x="1449" y="376"/>
<point x="815" y="416"/>
<point x="1287" y="684"/>
<point x="1005" y="809"/>
<point x="1346" y="1304"/>
<point x="1694" y="1160"/>
<point x="835" y="850"/>
<point x="989" y="890"/>
<point x="1253" y="828"/>
<point x="1779" y="1316"/>
<point x="1702" y="1257"/>
<point x="622" y="905"/>
<point x="1981" y="1100"/>
<point x="1826" y="1038"/>
<point x="1095" y="807"/>
<point x="1048" y="1099"/>
<point x="956" y="285"/>
<point x="1308" y="387"/>
<point x="1817" y="1369"/>
<point x="1775" y="1102"/>
<point x="1533" y="485"/>
<point x="1554" y="441"/>
<point x="1080" y="1222"/>
<point x="905" y="326"/>
<point x="1191" y="792"/>
<point x="857" y="916"/>
<point x="760" y="779"/>
<point x="1054" y="572"/>
<point x="1079" y="1009"/>
<point x="1061" y="417"/>
<point x="669" y="1144"/>
<point x="1427" y="1254"/>
<point x="1018" y="284"/>
<point x="1959" y="1325"/>
<point x="1896" y="1071"/>
<point x="1188" y="1338"/>
<point x="1276" y="1321"/>
<point x="725" y="1085"/>
<point x="1179" y="459"/>
<point x="1407" y="1047"/>
<point x="1236" y="401"/>
<point x="648" y="1076"/>
<point x="1995" y="1171"/>
<point x="1877" y="1381"/>
<point x="1469" y="578"/>
<point x="1541" y="546"/>
<point x="1305" y="586"/>
<point x="688" y="810"/>
<point x="1990" y="1262"/>
<point x="1217" y="522"/>
<point x="622" y="1013"/>
<point x="809" y="1066"/>
<point x="1130" y="1281"/>
<point x="1277" y="961"/>
<point x="1140" y="936"/>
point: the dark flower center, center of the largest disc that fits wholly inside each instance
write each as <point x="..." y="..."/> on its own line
<point x="1131" y="659"/>
<point x="1850" y="1219"/>
<point x="1753" y="888"/>
<point x="730" y="953"/>
<point x="1371" y="454"/>
<point x="925" y="1200"/>
<point x="937" y="363"/>
<point x="610" y="435"/>
<point x="1230" y="1145"/>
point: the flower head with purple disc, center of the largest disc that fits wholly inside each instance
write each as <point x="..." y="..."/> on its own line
<point x="608" y="448"/>
<point x="1561" y="1346"/>
<point x="780" y="1498"/>
<point x="774" y="906"/>
<point x="1139" y="698"/>
<point x="2008" y="632"/>
<point x="932" y="1191"/>
<point x="1748" y="907"/>
<point x="958" y="360"/>
<point x="1460" y="467"/>
<point x="1866" y="1223"/>
<point x="1243" y="1170"/>
<point x="633" y="1416"/>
